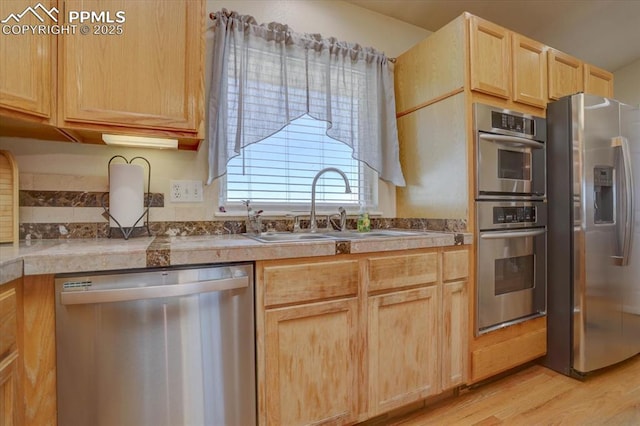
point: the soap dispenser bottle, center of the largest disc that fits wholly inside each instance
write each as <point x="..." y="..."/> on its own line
<point x="364" y="224"/>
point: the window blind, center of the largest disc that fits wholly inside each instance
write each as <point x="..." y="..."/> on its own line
<point x="278" y="171"/>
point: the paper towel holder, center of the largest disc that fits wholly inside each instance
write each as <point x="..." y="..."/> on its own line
<point x="127" y="231"/>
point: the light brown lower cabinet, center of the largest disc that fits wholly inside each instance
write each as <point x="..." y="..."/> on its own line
<point x="10" y="394"/>
<point x="311" y="363"/>
<point x="403" y="348"/>
<point x="501" y="350"/>
<point x="11" y="371"/>
<point x="27" y="352"/>
<point x="454" y="329"/>
<point x="391" y="333"/>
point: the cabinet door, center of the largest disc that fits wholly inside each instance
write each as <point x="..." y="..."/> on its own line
<point x="454" y="347"/>
<point x="598" y="81"/>
<point x="395" y="272"/>
<point x="10" y="398"/>
<point x="26" y="61"/>
<point x="565" y="74"/>
<point x="148" y="76"/>
<point x="311" y="354"/>
<point x="529" y="71"/>
<point x="489" y="58"/>
<point x="403" y="348"/>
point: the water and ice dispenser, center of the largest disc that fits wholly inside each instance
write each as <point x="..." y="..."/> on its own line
<point x="603" y="194"/>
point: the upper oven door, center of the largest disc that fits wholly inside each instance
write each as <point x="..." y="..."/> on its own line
<point x="510" y="166"/>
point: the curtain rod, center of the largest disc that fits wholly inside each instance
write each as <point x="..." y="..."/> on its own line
<point x="212" y="16"/>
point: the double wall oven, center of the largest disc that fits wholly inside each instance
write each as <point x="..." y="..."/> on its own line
<point x="511" y="217"/>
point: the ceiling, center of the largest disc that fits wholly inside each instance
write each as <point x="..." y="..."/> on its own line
<point x="604" y="33"/>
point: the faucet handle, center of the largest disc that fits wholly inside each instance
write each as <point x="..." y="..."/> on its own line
<point x="338" y="220"/>
<point x="296" y="222"/>
<point x="343" y="218"/>
<point x="328" y="226"/>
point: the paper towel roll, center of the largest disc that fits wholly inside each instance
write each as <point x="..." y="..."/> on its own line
<point x="126" y="194"/>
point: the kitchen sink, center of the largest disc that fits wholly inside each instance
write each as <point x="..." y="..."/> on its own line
<point x="378" y="233"/>
<point x="271" y="237"/>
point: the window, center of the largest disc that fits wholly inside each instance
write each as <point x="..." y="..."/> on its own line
<point x="276" y="173"/>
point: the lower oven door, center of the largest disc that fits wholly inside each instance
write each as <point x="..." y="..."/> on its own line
<point x="511" y="277"/>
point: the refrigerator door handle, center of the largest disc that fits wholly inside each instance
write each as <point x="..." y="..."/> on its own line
<point x="628" y="191"/>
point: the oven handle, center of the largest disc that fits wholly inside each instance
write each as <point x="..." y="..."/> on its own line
<point x="511" y="234"/>
<point x="511" y="140"/>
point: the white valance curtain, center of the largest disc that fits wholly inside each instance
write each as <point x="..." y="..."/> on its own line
<point x="265" y="76"/>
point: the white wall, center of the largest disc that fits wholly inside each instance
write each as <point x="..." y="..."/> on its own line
<point x="626" y="82"/>
<point x="339" y="19"/>
<point x="73" y="167"/>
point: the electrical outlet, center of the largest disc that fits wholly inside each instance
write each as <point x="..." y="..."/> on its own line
<point x="176" y="191"/>
<point x="186" y="191"/>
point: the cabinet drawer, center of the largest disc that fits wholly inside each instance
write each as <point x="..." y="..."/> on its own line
<point x="310" y="281"/>
<point x="455" y="265"/>
<point x="8" y="329"/>
<point x="499" y="357"/>
<point x="393" y="272"/>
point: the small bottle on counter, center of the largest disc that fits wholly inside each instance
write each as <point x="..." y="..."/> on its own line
<point x="364" y="224"/>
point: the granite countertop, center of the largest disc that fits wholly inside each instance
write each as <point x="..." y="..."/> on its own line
<point x="102" y="254"/>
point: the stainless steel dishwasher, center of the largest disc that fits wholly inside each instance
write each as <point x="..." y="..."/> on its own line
<point x="156" y="347"/>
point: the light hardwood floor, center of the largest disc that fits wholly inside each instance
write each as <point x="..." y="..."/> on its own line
<point x="539" y="396"/>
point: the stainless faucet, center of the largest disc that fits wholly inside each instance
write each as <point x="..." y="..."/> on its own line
<point x="347" y="190"/>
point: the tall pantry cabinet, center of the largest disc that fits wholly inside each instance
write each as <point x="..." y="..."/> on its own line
<point x="437" y="82"/>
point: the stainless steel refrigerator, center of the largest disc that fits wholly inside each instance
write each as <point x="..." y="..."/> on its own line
<point x="593" y="284"/>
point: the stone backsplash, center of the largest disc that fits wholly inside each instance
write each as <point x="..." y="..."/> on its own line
<point x="67" y="207"/>
<point x="31" y="198"/>
<point x="219" y="227"/>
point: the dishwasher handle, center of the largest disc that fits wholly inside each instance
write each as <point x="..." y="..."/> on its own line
<point x="151" y="292"/>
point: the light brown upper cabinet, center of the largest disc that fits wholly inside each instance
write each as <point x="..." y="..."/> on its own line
<point x="490" y="64"/>
<point x="136" y="69"/>
<point x="529" y="71"/>
<point x="490" y="58"/>
<point x="598" y="81"/>
<point x="28" y="63"/>
<point x="145" y="72"/>
<point x="506" y="64"/>
<point x="565" y="74"/>
<point x="569" y="75"/>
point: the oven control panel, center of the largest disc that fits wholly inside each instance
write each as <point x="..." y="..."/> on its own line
<point x="521" y="214"/>
<point x="513" y="123"/>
